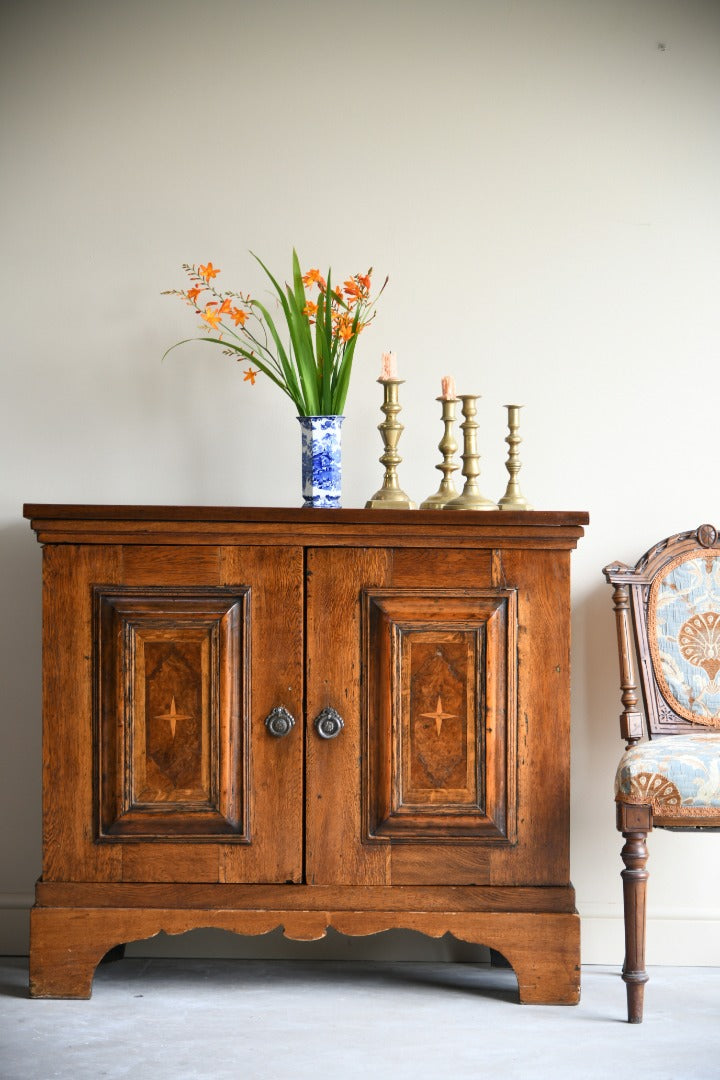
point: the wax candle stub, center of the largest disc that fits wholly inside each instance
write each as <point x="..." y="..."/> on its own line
<point x="448" y="388"/>
<point x="389" y="366"/>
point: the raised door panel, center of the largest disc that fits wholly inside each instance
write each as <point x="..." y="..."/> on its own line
<point x="419" y="786"/>
<point x="172" y="697"/>
<point x="439" y="714"/>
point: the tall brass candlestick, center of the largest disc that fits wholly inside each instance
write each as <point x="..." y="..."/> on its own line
<point x="471" y="498"/>
<point x="447" y="447"/>
<point x="390" y="496"/>
<point x="513" y="499"/>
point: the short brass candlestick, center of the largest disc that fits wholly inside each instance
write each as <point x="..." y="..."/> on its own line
<point x="390" y="496"/>
<point x="513" y="499"/>
<point x="447" y="447"/>
<point x="471" y="498"/>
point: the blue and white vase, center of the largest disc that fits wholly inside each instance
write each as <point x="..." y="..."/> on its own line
<point x="321" y="460"/>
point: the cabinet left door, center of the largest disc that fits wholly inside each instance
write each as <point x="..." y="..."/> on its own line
<point x="162" y="665"/>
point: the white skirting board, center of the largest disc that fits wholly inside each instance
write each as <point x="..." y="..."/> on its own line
<point x="677" y="937"/>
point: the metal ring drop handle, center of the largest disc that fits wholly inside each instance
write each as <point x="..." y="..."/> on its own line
<point x="279" y="722"/>
<point x="329" y="723"/>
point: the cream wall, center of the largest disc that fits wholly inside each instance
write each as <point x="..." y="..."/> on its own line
<point x="539" y="179"/>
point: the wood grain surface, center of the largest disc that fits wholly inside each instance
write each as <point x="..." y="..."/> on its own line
<point x="440" y="640"/>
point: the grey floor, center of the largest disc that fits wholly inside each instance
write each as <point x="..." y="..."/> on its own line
<point x="170" y="1019"/>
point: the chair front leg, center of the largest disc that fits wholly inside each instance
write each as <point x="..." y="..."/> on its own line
<point x="635" y="822"/>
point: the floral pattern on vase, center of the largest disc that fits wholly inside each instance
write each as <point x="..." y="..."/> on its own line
<point x="321" y="460"/>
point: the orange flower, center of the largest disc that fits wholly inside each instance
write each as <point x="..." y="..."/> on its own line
<point x="343" y="327"/>
<point x="208" y="272"/>
<point x="314" y="277"/>
<point x="358" y="287"/>
<point x="224" y="308"/>
<point x="212" y="318"/>
<point x="250" y="376"/>
<point x="238" y="316"/>
<point x="310" y="309"/>
<point x="192" y="294"/>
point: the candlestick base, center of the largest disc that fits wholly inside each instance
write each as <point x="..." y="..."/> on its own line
<point x="470" y="501"/>
<point x="511" y="502"/>
<point x="439" y="500"/>
<point x="387" y="499"/>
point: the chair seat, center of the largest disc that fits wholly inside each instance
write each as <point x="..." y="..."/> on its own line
<point x="675" y="774"/>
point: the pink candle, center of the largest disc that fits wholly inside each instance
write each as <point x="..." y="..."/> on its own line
<point x="448" y="388"/>
<point x="389" y="366"/>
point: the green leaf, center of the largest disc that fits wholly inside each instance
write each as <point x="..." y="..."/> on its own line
<point x="308" y="363"/>
<point x="278" y="290"/>
<point x="300" y="297"/>
<point x="342" y="381"/>
<point x="331" y="346"/>
<point x="288" y="371"/>
<point x="324" y="358"/>
<point x="307" y="399"/>
<point x="245" y="353"/>
<point x="299" y="327"/>
<point x="178" y="344"/>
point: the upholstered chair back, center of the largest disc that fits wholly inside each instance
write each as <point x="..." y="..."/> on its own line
<point x="683" y="617"/>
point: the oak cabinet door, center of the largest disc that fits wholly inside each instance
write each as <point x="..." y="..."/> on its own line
<point x="417" y="652"/>
<point x="171" y="770"/>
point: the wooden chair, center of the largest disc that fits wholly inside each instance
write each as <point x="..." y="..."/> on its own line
<point x="668" y="616"/>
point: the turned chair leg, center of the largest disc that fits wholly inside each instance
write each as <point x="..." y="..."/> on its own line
<point x="635" y="856"/>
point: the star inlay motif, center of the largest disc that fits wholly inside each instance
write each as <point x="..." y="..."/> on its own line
<point x="173" y="716"/>
<point x="438" y="716"/>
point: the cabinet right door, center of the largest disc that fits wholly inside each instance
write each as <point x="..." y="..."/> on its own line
<point x="430" y="657"/>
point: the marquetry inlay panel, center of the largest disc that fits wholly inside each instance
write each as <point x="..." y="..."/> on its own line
<point x="171" y="711"/>
<point x="171" y="745"/>
<point x="440" y="736"/>
<point x="440" y="714"/>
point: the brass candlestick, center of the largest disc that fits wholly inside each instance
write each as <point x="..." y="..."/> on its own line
<point x="471" y="498"/>
<point x="513" y="499"/>
<point x="447" y="447"/>
<point x="390" y="496"/>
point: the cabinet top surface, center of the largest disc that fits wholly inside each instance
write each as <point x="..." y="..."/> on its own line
<point x="303" y="517"/>
<point x="96" y="524"/>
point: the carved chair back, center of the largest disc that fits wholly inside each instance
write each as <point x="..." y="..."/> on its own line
<point x="668" y="605"/>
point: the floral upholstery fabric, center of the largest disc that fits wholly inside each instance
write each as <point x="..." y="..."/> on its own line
<point x="684" y="636"/>
<point x="675" y="774"/>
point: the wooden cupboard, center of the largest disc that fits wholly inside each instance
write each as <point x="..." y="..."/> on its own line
<point x="259" y="717"/>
